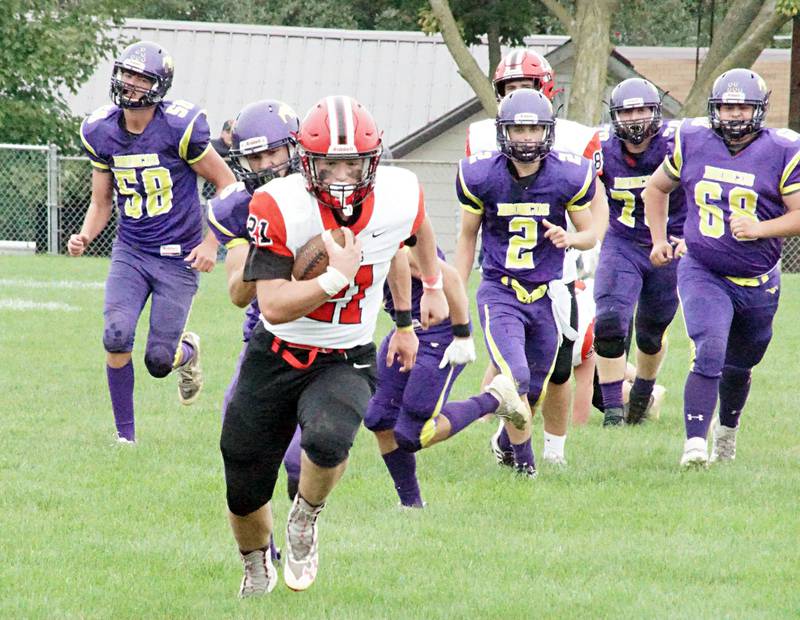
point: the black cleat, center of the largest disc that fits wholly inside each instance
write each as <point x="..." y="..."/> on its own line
<point x="614" y="416"/>
<point x="637" y="409"/>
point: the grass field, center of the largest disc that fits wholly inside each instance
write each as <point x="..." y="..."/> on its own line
<point x="92" y="530"/>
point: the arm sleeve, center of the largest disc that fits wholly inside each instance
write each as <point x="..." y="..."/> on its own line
<point x="266" y="225"/>
<point x="262" y="264"/>
<point x="583" y="197"/>
<point x="790" y="179"/>
<point x="469" y="201"/>
<point x="196" y="139"/>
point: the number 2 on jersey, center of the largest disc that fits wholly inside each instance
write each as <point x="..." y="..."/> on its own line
<point x="519" y="254"/>
<point x="345" y="307"/>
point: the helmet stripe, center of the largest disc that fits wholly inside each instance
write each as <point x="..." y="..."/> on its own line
<point x="350" y="130"/>
<point x="333" y="119"/>
<point x="341" y="120"/>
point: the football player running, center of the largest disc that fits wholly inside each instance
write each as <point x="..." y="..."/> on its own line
<point x="147" y="152"/>
<point x="311" y="357"/>
<point x="625" y="279"/>
<point x="263" y="147"/>
<point x="742" y="187"/>
<point x="410" y="410"/>
<point x="522" y="198"/>
<point x="529" y="69"/>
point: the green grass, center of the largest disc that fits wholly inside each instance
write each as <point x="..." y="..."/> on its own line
<point x="92" y="530"/>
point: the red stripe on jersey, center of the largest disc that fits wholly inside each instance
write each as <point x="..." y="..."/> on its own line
<point x="588" y="342"/>
<point x="594" y="153"/>
<point x="266" y="226"/>
<point x="420" y="213"/>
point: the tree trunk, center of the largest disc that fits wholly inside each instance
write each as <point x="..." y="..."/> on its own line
<point x="757" y="36"/>
<point x="493" y="40"/>
<point x="794" y="77"/>
<point x="467" y="67"/>
<point x="592" y="46"/>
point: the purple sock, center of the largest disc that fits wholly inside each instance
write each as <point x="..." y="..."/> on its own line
<point x="120" y="386"/>
<point x="642" y="388"/>
<point x="699" y="402"/>
<point x="503" y="440"/>
<point x="734" y="388"/>
<point x="402" y="467"/>
<point x="462" y="413"/>
<point x="187" y="353"/>
<point x="612" y="394"/>
<point x="523" y="453"/>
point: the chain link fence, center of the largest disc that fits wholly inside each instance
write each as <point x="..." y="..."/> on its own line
<point x="44" y="197"/>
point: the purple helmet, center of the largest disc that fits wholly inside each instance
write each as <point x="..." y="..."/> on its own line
<point x="149" y="60"/>
<point x="635" y="93"/>
<point x="741" y="86"/>
<point x="263" y="126"/>
<point x="525" y="107"/>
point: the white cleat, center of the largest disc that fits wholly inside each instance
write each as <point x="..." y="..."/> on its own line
<point x="723" y="444"/>
<point x="503" y="457"/>
<point x="123" y="441"/>
<point x="302" y="557"/>
<point x="260" y="574"/>
<point x="190" y="376"/>
<point x="511" y="407"/>
<point x="695" y="453"/>
<point x="553" y="458"/>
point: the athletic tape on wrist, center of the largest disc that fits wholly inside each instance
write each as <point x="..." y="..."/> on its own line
<point x="332" y="281"/>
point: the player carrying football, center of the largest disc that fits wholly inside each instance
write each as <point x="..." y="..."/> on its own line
<point x="742" y="187"/>
<point x="148" y="152"/>
<point x="310" y="359"/>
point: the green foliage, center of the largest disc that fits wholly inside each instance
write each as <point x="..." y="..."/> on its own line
<point x="788" y="7"/>
<point x="49" y="49"/>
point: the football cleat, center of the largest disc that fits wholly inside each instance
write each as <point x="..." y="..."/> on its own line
<point x="526" y="470"/>
<point x="260" y="574"/>
<point x="553" y="458"/>
<point x="723" y="444"/>
<point x="124" y="441"/>
<point x="190" y="375"/>
<point x="613" y="416"/>
<point x="503" y="457"/>
<point x="695" y="453"/>
<point x="637" y="409"/>
<point x="302" y="557"/>
<point x="511" y="407"/>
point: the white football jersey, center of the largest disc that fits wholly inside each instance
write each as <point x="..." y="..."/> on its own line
<point x="289" y="216"/>
<point x="571" y="137"/>
<point x="583" y="346"/>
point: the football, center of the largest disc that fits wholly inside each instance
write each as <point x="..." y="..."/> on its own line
<point x="311" y="260"/>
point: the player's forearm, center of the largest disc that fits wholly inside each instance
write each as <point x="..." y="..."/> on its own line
<point x="465" y="256"/>
<point x="787" y="225"/>
<point x="656" y="208"/>
<point x="399" y="280"/>
<point x="425" y="250"/>
<point x="240" y="292"/>
<point x="282" y="301"/>
<point x="95" y="220"/>
<point x="583" y="240"/>
<point x="599" y="209"/>
<point x="456" y="295"/>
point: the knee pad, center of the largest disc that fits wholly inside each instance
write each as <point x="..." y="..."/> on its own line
<point x="381" y="413"/>
<point x="117" y="334"/>
<point x="650" y="336"/>
<point x="408" y="431"/>
<point x="709" y="356"/>
<point x="325" y="449"/>
<point x="736" y="376"/>
<point x="609" y="335"/>
<point x="563" y="366"/>
<point x="609" y="347"/>
<point x="158" y="360"/>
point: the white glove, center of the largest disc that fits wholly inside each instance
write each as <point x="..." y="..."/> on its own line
<point x="460" y="351"/>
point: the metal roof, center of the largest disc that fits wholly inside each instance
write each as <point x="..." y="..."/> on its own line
<point x="406" y="79"/>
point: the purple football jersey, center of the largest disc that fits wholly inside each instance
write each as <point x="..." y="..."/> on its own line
<point x="416" y="298"/>
<point x="718" y="185"/>
<point x="625" y="175"/>
<point x="227" y="218"/>
<point x="514" y="244"/>
<point x="155" y="186"/>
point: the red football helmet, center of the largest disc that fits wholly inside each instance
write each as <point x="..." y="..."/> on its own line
<point x="525" y="65"/>
<point x="339" y="128"/>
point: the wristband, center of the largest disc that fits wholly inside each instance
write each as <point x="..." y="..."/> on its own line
<point x="460" y="331"/>
<point x="433" y="283"/>
<point x="332" y="281"/>
<point x="402" y="318"/>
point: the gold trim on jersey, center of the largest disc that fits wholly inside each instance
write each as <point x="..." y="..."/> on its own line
<point x="785" y="190"/>
<point x="725" y="175"/>
<point x="183" y="145"/>
<point x="478" y="208"/>
<point x="510" y="209"/>
<point x="582" y="192"/>
<point x="428" y="431"/>
<point x="524" y="295"/>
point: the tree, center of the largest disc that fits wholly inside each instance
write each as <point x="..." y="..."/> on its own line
<point x="748" y="28"/>
<point x="50" y="48"/>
